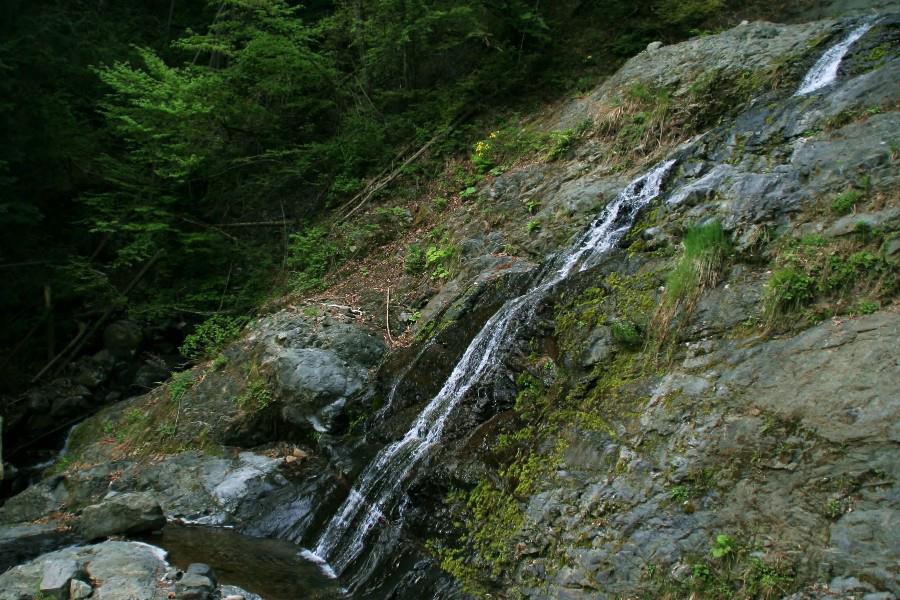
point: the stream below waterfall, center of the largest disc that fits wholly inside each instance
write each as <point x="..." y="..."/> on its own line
<point x="273" y="569"/>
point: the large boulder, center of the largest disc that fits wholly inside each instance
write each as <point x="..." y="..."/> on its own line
<point x="121" y="514"/>
<point x="23" y="541"/>
<point x="319" y="364"/>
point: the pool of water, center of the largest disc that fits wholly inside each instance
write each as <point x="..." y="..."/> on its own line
<point x="274" y="569"/>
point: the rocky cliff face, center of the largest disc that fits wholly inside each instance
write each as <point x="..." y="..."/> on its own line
<point x="709" y="409"/>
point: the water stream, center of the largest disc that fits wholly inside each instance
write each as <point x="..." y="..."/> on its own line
<point x="375" y="500"/>
<point x="824" y="72"/>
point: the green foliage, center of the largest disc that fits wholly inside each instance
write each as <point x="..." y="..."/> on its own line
<point x="735" y="571"/>
<point x="824" y="278"/>
<point x="310" y="256"/>
<point x="787" y="290"/>
<point x="219" y="362"/>
<point x="705" y="248"/>
<point x="439" y="204"/>
<point x="469" y="192"/>
<point x="865" y="307"/>
<point x="533" y="225"/>
<point x="846" y="202"/>
<point x="256" y="396"/>
<point x="508" y="145"/>
<point x="561" y="142"/>
<point x="627" y="334"/>
<point x="723" y="546"/>
<point x="439" y="258"/>
<point x="416" y="262"/>
<point x="680" y="493"/>
<point x="179" y="385"/>
<point x="211" y="336"/>
<point x="687" y="12"/>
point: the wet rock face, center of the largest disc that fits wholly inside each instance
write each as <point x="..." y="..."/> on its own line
<point x="782" y="443"/>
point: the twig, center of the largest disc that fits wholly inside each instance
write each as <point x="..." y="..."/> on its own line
<point x="82" y="328"/>
<point x="97" y="324"/>
<point x="22" y="342"/>
<point x="387" y="316"/>
<point x="227" y="281"/>
<point x="375" y="184"/>
<point x="208" y="226"/>
<point x="393" y="175"/>
<point x="282" y="223"/>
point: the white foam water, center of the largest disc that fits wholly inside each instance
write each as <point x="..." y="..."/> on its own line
<point x="379" y="488"/>
<point x="824" y="72"/>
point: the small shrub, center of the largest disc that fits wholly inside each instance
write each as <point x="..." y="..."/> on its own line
<point x="438" y="258"/>
<point x="788" y="289"/>
<point x="533" y="226"/>
<point x="416" y="261"/>
<point x="627" y="334"/>
<point x="504" y="147"/>
<point x="704" y="250"/>
<point x="220" y="362"/>
<point x="562" y="142"/>
<point x="211" y="336"/>
<point x="866" y="307"/>
<point x="310" y="255"/>
<point x="765" y="580"/>
<point x="180" y="384"/>
<point x="680" y="493"/>
<point x="468" y="192"/>
<point x="724" y="546"/>
<point x="846" y="202"/>
<point x="256" y="396"/>
<point x="439" y="204"/>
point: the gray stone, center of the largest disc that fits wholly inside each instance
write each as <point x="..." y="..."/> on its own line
<point x="231" y="592"/>
<point x="127" y="571"/>
<point x="78" y="589"/>
<point x="654" y="46"/>
<point x="851" y="223"/>
<point x="194" y="586"/>
<point x="57" y="574"/>
<point x="24" y="541"/>
<point x="121" y="570"/>
<point x="202" y="570"/>
<point x="791" y="377"/>
<point x="122" y="514"/>
<point x="598" y="346"/>
<point x="849" y="584"/>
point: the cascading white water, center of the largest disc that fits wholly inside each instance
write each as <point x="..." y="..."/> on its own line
<point x="824" y="72"/>
<point x="380" y="486"/>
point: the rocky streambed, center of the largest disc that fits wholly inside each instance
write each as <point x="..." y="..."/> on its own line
<point x="678" y="418"/>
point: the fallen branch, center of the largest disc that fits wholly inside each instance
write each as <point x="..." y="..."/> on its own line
<point x="82" y="328"/>
<point x="387" y="316"/>
<point x="82" y="338"/>
<point x="282" y="223"/>
<point x="376" y="185"/>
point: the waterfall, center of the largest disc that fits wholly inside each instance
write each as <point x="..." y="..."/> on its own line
<point x="824" y="72"/>
<point x="378" y="490"/>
